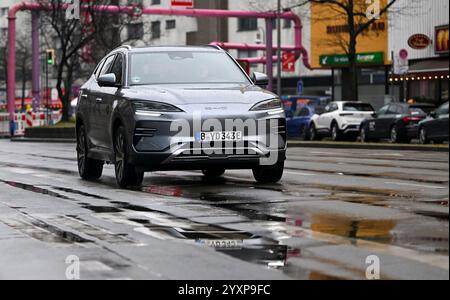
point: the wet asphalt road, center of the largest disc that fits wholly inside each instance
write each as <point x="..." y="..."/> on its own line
<point x="332" y="210"/>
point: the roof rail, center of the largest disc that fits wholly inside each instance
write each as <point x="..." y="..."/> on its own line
<point x="217" y="47"/>
<point x="123" y="46"/>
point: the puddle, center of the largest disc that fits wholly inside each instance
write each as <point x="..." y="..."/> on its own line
<point x="101" y="209"/>
<point x="72" y="191"/>
<point x="35" y="189"/>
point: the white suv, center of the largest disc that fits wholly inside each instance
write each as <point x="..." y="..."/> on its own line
<point x="340" y="119"/>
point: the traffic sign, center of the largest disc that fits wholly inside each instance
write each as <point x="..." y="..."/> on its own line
<point x="300" y="87"/>
<point x="184" y="3"/>
<point x="288" y="59"/>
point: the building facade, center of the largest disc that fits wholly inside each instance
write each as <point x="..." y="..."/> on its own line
<point x="423" y="36"/>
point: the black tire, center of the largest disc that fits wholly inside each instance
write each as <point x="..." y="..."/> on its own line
<point x="88" y="168"/>
<point x="423" y="136"/>
<point x="313" y="136"/>
<point x="269" y="174"/>
<point x="336" y="134"/>
<point x="213" y="172"/>
<point x="126" y="174"/>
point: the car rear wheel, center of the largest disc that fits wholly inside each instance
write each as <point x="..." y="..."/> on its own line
<point x="423" y="136"/>
<point x="126" y="174"/>
<point x="336" y="134"/>
<point x="88" y="168"/>
<point x="213" y="172"/>
<point x="269" y="174"/>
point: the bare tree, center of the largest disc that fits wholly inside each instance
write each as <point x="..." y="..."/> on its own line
<point x="359" y="16"/>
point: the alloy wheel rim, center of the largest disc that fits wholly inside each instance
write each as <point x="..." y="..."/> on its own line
<point x="119" y="156"/>
<point x="394" y="135"/>
<point x="423" y="136"/>
<point x="81" y="151"/>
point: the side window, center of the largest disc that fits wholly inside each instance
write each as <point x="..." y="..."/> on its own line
<point x="117" y="68"/>
<point x="98" y="68"/>
<point x="334" y="107"/>
<point x="392" y="110"/>
<point x="443" y="110"/>
<point x="107" y="65"/>
<point x="383" y="110"/>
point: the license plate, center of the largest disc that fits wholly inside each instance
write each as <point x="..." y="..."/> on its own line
<point x="222" y="244"/>
<point x="225" y="136"/>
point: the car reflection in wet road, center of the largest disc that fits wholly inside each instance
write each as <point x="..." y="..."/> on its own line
<point x="332" y="210"/>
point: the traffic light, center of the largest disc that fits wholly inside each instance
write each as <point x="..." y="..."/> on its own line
<point x="51" y="58"/>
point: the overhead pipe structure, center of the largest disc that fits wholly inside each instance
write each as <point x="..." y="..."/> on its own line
<point x="299" y="50"/>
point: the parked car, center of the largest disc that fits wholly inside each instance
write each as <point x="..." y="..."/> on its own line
<point x="435" y="127"/>
<point x="298" y="121"/>
<point x="299" y="111"/>
<point x="339" y="120"/>
<point x="398" y="122"/>
<point x="127" y="108"/>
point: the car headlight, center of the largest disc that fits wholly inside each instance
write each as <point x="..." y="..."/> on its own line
<point x="150" y="106"/>
<point x="268" y="105"/>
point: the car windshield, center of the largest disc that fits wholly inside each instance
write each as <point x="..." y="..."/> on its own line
<point x="184" y="67"/>
<point x="358" y="107"/>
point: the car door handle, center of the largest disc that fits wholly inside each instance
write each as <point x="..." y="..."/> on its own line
<point x="98" y="100"/>
<point x="85" y="96"/>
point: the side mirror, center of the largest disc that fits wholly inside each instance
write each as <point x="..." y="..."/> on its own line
<point x="433" y="114"/>
<point x="260" y="79"/>
<point x="374" y="115"/>
<point x="108" y="80"/>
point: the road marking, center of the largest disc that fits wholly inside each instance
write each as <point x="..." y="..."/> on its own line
<point x="298" y="173"/>
<point x="417" y="185"/>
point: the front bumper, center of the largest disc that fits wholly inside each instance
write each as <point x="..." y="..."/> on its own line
<point x="156" y="147"/>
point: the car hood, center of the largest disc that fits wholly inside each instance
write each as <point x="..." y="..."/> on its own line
<point x="199" y="94"/>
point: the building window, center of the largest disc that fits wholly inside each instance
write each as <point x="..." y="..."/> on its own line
<point x="156" y="30"/>
<point x="156" y="2"/>
<point x="247" y="24"/>
<point x="287" y="24"/>
<point x="3" y="12"/>
<point x="247" y="54"/>
<point x="171" y="24"/>
<point x="135" y="31"/>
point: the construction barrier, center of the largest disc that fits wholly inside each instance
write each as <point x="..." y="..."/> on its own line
<point x="27" y="120"/>
<point x="4" y="124"/>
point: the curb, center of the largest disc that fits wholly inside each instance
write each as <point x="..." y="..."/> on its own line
<point x="42" y="140"/>
<point x="399" y="147"/>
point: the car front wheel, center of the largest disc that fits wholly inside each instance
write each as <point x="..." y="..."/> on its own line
<point x="269" y="174"/>
<point x="126" y="174"/>
<point x="395" y="136"/>
<point x="88" y="168"/>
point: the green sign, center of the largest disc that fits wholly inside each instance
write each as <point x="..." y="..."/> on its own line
<point x="361" y="59"/>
